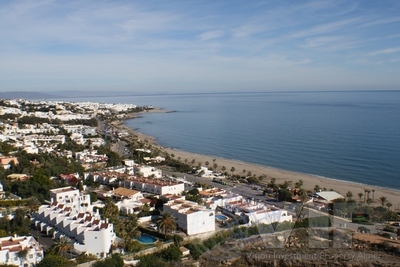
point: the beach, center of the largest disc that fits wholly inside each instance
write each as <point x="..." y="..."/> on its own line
<point x="309" y="180"/>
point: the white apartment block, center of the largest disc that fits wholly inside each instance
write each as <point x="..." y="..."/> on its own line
<point x="45" y="138"/>
<point x="104" y="177"/>
<point x="70" y="215"/>
<point x="11" y="246"/>
<point x="154" y="186"/>
<point x="86" y="230"/>
<point x="191" y="217"/>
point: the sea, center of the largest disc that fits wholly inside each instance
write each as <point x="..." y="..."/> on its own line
<point x="345" y="135"/>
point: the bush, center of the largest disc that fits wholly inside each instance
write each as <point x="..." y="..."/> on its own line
<point x="172" y="253"/>
<point x="389" y="229"/>
<point x="150" y="260"/>
<point x="386" y="235"/>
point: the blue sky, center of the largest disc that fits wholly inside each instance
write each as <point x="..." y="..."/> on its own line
<point x="199" y="46"/>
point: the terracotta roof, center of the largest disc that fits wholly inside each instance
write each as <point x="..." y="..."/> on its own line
<point x="125" y="192"/>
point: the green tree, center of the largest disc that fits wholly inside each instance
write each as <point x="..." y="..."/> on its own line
<point x="33" y="204"/>
<point x="114" y="261"/>
<point x="53" y="260"/>
<point x="110" y="211"/>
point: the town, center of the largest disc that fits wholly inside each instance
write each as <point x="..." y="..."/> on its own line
<point x="76" y="187"/>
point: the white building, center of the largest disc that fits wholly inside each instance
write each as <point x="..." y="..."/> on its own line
<point x="70" y="215"/>
<point x="191" y="217"/>
<point x="154" y="186"/>
<point x="327" y="196"/>
<point x="70" y="196"/>
<point x="257" y="212"/>
<point x="147" y="171"/>
<point x="12" y="247"/>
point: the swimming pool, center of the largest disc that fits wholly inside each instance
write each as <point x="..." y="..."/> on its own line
<point x="221" y="217"/>
<point x="146" y="239"/>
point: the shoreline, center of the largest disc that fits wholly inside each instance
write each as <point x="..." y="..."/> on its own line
<point x="281" y="175"/>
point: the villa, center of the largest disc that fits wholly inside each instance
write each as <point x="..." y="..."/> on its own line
<point x="12" y="248"/>
<point x="191" y="217"/>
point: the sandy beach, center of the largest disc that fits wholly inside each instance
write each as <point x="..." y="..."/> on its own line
<point x="309" y="181"/>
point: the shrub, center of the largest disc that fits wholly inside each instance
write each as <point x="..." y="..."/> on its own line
<point x="389" y="229"/>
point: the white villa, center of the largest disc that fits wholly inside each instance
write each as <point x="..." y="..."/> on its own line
<point x="258" y="212"/>
<point x="12" y="246"/>
<point x="147" y="171"/>
<point x="191" y="217"/>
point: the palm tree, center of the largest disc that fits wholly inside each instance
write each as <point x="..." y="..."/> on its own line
<point x="373" y="195"/>
<point x="383" y="200"/>
<point x="62" y="245"/>
<point x="131" y="225"/>
<point x="166" y="222"/>
<point x="233" y="170"/>
<point x="368" y="192"/>
<point x="365" y="194"/>
<point x="215" y="166"/>
<point x="360" y="195"/>
<point x="223" y="168"/>
<point x="207" y="163"/>
<point x="388" y="204"/>
<point x="193" y="161"/>
<point x="299" y="184"/>
<point x="349" y="195"/>
<point x="110" y="211"/>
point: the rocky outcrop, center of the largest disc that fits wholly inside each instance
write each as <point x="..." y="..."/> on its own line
<point x="304" y="248"/>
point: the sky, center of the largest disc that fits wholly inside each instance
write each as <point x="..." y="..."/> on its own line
<point x="199" y="45"/>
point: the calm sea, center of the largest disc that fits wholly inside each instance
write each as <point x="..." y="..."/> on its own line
<point x="352" y="136"/>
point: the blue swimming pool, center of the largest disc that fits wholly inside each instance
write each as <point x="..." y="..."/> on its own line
<point x="221" y="217"/>
<point x="146" y="239"/>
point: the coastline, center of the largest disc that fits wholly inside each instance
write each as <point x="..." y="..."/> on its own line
<point x="281" y="175"/>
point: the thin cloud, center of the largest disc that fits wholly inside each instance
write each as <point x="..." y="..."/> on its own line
<point x="381" y="21"/>
<point x="325" y="28"/>
<point x="205" y="36"/>
<point x="385" y="51"/>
